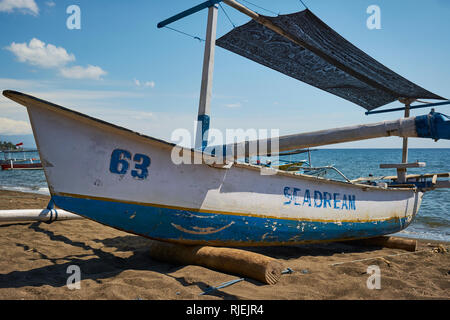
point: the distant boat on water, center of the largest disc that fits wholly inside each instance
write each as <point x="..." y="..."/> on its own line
<point x="10" y="160"/>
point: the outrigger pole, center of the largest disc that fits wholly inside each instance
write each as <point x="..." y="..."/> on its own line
<point x="402" y="168"/>
<point x="434" y="126"/>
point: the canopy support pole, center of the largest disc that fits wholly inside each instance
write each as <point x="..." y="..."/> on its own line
<point x="309" y="157"/>
<point x="427" y="105"/>
<point x="203" y="119"/>
<point x="402" y="172"/>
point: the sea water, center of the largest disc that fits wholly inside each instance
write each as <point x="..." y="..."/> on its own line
<point x="432" y="222"/>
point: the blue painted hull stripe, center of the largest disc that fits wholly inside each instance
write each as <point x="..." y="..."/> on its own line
<point x="263" y="216"/>
<point x="194" y="227"/>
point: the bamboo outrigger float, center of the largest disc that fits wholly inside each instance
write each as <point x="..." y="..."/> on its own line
<point x="45" y="215"/>
<point x="130" y="182"/>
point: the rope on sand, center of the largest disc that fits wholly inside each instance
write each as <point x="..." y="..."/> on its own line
<point x="380" y="257"/>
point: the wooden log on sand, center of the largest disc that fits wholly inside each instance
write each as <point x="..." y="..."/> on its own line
<point x="389" y="242"/>
<point x="248" y="264"/>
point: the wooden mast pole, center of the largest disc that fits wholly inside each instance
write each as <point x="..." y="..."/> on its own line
<point x="401" y="172"/>
<point x="405" y="140"/>
<point x="203" y="119"/>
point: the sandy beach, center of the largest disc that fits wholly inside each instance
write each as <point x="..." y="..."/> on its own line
<point x="35" y="257"/>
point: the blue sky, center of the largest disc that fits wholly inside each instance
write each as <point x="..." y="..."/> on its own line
<point x="120" y="68"/>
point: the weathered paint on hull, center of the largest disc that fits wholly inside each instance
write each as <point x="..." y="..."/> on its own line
<point x="192" y="227"/>
<point x="128" y="181"/>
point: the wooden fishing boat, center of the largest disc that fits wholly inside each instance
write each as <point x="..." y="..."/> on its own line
<point x="22" y="165"/>
<point x="131" y="182"/>
<point x="9" y="162"/>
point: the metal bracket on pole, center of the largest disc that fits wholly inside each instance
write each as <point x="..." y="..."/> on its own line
<point x="188" y="12"/>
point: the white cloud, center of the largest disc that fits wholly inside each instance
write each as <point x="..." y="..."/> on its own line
<point x="79" y="72"/>
<point x="234" y="105"/>
<point x="76" y="99"/>
<point x="10" y="127"/>
<point x="37" y="53"/>
<point x="141" y="115"/>
<point x="18" y="84"/>
<point x="50" y="3"/>
<point x="24" y="6"/>
<point x="150" y="84"/>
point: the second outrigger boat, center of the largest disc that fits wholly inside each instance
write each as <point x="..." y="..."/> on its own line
<point x="11" y="161"/>
<point x="130" y="182"/>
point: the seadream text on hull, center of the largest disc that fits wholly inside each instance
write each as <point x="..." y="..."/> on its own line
<point x="128" y="181"/>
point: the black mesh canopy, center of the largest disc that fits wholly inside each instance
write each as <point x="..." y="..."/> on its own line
<point x="324" y="60"/>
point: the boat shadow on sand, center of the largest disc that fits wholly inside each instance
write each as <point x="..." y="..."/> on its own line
<point x="99" y="265"/>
